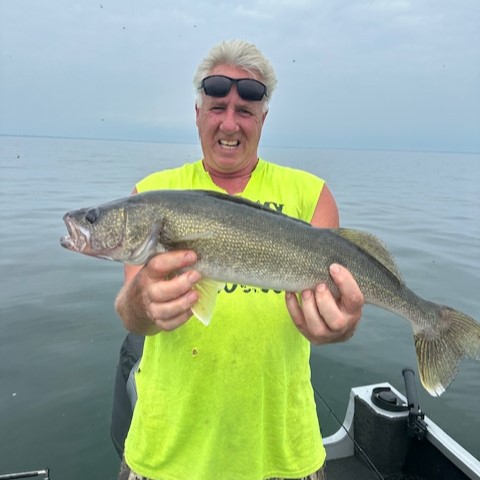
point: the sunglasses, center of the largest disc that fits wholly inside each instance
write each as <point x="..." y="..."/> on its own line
<point x="220" y="86"/>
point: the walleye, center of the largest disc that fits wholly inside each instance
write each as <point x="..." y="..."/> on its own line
<point x="241" y="242"/>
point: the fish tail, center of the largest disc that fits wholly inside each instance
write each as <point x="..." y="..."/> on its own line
<point x="439" y="355"/>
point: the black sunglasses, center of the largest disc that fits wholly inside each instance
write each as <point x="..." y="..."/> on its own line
<point x="220" y="86"/>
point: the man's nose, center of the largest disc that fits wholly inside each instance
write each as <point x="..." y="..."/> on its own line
<point x="229" y="122"/>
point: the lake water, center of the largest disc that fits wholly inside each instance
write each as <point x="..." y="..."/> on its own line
<point x="60" y="337"/>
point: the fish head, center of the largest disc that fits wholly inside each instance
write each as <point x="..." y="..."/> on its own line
<point x="119" y="230"/>
<point x="96" y="231"/>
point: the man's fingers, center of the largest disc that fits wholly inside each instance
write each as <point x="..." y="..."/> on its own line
<point x="296" y="312"/>
<point x="351" y="296"/>
<point x="164" y="264"/>
<point x="294" y="309"/>
<point x="166" y="290"/>
<point x="313" y="321"/>
<point x="168" y="299"/>
<point x="328" y="310"/>
<point x="170" y="315"/>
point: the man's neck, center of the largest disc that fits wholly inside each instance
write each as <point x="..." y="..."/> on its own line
<point x="232" y="182"/>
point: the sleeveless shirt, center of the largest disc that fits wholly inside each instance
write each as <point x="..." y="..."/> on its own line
<point x="231" y="401"/>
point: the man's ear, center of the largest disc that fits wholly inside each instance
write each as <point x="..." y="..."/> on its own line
<point x="197" y="113"/>
<point x="264" y="116"/>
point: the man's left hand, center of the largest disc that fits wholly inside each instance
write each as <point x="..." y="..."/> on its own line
<point x="323" y="319"/>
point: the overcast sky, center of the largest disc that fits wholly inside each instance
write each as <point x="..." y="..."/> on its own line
<point x="394" y="74"/>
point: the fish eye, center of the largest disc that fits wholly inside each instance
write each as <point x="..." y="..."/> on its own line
<point x="92" y="215"/>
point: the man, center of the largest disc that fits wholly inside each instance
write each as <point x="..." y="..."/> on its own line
<point x="232" y="400"/>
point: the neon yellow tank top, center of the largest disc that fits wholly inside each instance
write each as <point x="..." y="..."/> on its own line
<point x="231" y="401"/>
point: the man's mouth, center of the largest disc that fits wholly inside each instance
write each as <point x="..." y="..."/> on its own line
<point x="229" y="144"/>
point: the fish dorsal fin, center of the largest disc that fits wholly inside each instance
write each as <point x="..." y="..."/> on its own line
<point x="207" y="291"/>
<point x="241" y="201"/>
<point x="373" y="246"/>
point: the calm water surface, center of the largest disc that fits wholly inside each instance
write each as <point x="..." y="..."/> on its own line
<point x="59" y="336"/>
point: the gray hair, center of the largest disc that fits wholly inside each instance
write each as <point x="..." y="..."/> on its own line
<point x="241" y="54"/>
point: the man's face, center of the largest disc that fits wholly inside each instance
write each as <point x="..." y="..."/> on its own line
<point x="229" y="127"/>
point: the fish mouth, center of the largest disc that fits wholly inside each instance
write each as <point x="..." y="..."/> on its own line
<point x="78" y="238"/>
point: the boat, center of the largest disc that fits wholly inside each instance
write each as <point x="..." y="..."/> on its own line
<point x="384" y="435"/>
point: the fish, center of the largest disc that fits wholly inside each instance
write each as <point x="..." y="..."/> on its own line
<point x="242" y="242"/>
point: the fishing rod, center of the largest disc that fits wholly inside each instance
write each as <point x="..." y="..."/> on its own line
<point x="34" y="473"/>
<point x="360" y="449"/>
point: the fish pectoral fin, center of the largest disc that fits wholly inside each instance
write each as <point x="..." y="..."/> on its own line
<point x="207" y="290"/>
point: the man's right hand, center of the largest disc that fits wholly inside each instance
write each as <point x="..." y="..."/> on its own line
<point x="154" y="298"/>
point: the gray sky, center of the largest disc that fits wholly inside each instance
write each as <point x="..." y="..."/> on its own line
<point x="394" y="74"/>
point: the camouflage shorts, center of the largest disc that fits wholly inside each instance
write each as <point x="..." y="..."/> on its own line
<point x="127" y="474"/>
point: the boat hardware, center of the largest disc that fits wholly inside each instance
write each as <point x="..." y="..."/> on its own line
<point x="416" y="426"/>
<point x="34" y="473"/>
